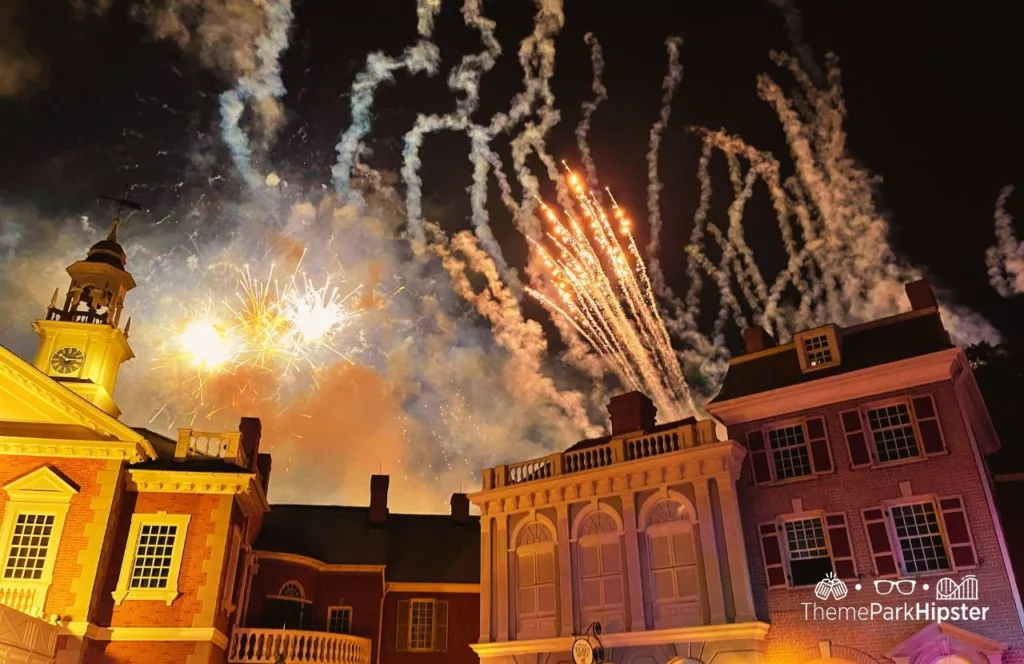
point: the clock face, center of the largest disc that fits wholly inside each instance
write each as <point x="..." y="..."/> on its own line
<point x="67" y="360"/>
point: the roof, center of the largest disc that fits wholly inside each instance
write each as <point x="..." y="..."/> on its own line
<point x="424" y="548"/>
<point x="594" y="442"/>
<point x="164" y="448"/>
<point x="108" y="252"/>
<point x="872" y="344"/>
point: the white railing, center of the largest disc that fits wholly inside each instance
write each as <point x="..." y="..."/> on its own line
<point x="264" y="646"/>
<point x="26" y="639"/>
<point x="23" y="596"/>
<point x="221" y="445"/>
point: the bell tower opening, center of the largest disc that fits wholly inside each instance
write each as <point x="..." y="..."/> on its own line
<point x="81" y="342"/>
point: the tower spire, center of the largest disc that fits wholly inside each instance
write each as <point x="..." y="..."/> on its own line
<point x="114" y="225"/>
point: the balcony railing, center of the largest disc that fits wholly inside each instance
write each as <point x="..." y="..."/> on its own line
<point x="27" y="597"/>
<point x="26" y="639"/>
<point x="205" y="444"/>
<point x="265" y="646"/>
<point x="617" y="450"/>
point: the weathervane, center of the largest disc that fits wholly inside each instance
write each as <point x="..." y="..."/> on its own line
<point x="122" y="203"/>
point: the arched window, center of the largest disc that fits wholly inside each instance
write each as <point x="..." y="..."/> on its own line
<point x="291" y="589"/>
<point x="672" y="564"/>
<point x="288" y="609"/>
<point x="535" y="581"/>
<point x="602" y="593"/>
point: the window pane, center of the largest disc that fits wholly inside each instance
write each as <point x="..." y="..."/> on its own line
<point x="526" y="569"/>
<point x="809" y="560"/>
<point x="789" y="452"/>
<point x="660" y="551"/>
<point x="590" y="561"/>
<point x="917" y="528"/>
<point x="893" y="432"/>
<point x="153" y="555"/>
<point x="421" y="625"/>
<point x="340" y="621"/>
<point x="30" y="543"/>
<point x="817" y="350"/>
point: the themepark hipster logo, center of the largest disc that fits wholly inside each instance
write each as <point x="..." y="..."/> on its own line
<point x="894" y="601"/>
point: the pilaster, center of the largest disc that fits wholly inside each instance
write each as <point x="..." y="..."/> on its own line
<point x="501" y="606"/>
<point x="485" y="579"/>
<point x="565" y="598"/>
<point x="743" y="593"/>
<point x="709" y="550"/>
<point x="633" y="574"/>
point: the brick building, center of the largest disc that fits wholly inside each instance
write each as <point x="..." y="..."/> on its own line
<point x="836" y="485"/>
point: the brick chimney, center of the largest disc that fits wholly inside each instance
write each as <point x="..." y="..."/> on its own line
<point x="632" y="411"/>
<point x="920" y="295"/>
<point x="460" y="508"/>
<point x="263" y="465"/>
<point x="757" y="339"/>
<point x="379" y="499"/>
<point x="251" y="430"/>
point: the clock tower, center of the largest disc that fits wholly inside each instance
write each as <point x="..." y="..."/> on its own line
<point x="81" y="343"/>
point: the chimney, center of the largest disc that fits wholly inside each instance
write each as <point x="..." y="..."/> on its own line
<point x="379" y="499"/>
<point x="460" y="509"/>
<point x="263" y="464"/>
<point x="920" y="295"/>
<point x="251" y="430"/>
<point x="632" y="411"/>
<point x="757" y="339"/>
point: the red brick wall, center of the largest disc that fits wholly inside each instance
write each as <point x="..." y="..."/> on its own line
<point x="138" y="652"/>
<point x="135" y="613"/>
<point x="360" y="590"/>
<point x="791" y="637"/>
<point x="82" y="473"/>
<point x="463" y="629"/>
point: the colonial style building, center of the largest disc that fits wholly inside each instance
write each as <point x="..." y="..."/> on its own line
<point x="833" y="507"/>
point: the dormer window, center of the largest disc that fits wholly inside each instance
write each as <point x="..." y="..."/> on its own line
<point x="817" y="349"/>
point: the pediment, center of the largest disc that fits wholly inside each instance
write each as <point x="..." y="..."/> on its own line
<point x="33" y="405"/>
<point x="938" y="639"/>
<point x="42" y="485"/>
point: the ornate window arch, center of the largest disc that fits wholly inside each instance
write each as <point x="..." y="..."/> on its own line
<point x="667" y="520"/>
<point x="534" y="580"/>
<point x="292" y="589"/>
<point x="600" y="567"/>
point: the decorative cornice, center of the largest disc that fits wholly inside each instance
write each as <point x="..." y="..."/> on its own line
<point x="86" y="449"/>
<point x="315" y="564"/>
<point x="891" y="377"/>
<point x="96" y="632"/>
<point x="245" y="486"/>
<point x="731" y="632"/>
<point x="708" y="460"/>
<point x="431" y="588"/>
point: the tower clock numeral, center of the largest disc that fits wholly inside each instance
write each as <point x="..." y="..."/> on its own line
<point x="67" y="360"/>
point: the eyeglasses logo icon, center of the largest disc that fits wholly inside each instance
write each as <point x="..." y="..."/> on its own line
<point x="903" y="586"/>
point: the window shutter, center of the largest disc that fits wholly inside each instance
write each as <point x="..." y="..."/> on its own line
<point x="546" y="582"/>
<point x="774" y="567"/>
<point x="403" y="625"/>
<point x="758" y="457"/>
<point x="842" y="551"/>
<point x="441" y="626"/>
<point x="817" y="441"/>
<point x="856" y="438"/>
<point x="928" y="424"/>
<point x="958" y="532"/>
<point x="881" y="547"/>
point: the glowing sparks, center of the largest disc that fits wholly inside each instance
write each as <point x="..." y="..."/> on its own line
<point x="604" y="290"/>
<point x="205" y="345"/>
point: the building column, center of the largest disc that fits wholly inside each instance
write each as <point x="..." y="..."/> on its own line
<point x="636" y="586"/>
<point x="565" y="599"/>
<point x="709" y="551"/>
<point x="501" y="559"/>
<point x="743" y="594"/>
<point x="485" y="579"/>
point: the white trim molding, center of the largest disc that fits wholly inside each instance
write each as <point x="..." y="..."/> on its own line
<point x="94" y="632"/>
<point x="246" y="487"/>
<point x="315" y="564"/>
<point x="563" y="644"/>
<point x="442" y="588"/>
<point x="170" y="592"/>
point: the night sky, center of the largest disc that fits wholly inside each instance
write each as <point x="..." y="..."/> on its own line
<point x="930" y="93"/>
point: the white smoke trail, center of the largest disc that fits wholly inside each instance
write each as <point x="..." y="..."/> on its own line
<point x="1005" y="260"/>
<point x="654" y="186"/>
<point x="426" y="12"/>
<point x="589" y="107"/>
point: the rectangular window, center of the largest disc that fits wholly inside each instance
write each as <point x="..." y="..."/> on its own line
<point x="30" y="544"/>
<point x="339" y="619"/>
<point x="807" y="546"/>
<point x="421" y="624"/>
<point x="817" y="350"/>
<point x="892" y="428"/>
<point x="790" y="456"/>
<point x="153" y="556"/>
<point x="919" y="535"/>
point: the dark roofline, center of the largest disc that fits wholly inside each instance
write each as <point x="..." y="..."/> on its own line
<point x="366" y="508"/>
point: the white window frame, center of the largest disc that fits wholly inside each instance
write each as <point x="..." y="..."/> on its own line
<point x="171" y="592"/>
<point x="864" y="409"/>
<point x="340" y="608"/>
<point x="40" y="492"/>
<point x="432" y="603"/>
<point x="895" y="542"/>
<point x="829" y="332"/>
<point x="783" y="535"/>
<point x="785" y="424"/>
